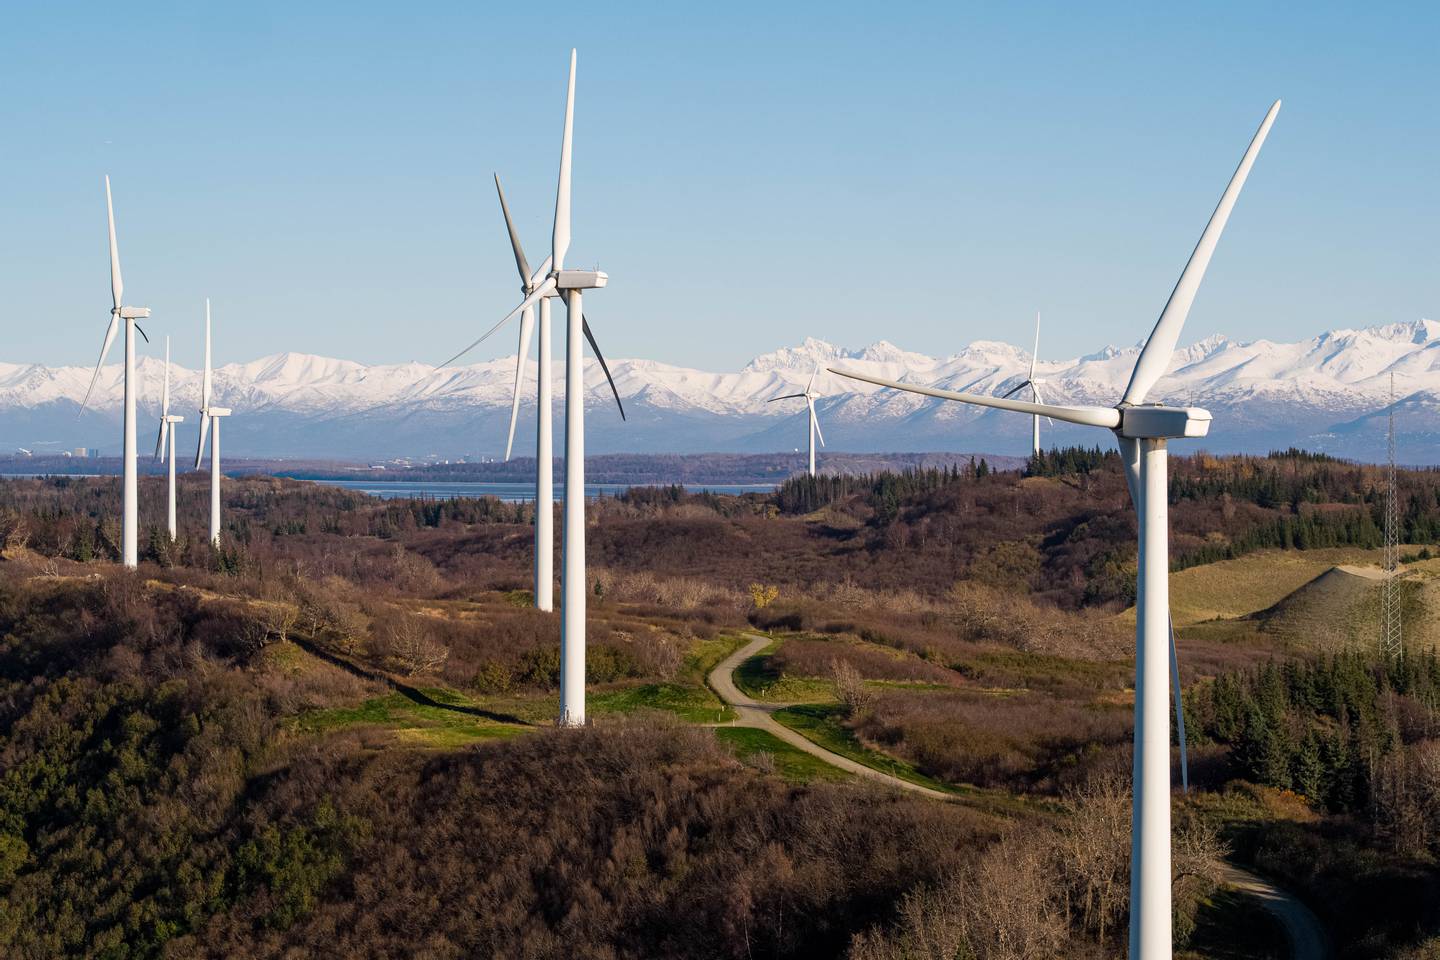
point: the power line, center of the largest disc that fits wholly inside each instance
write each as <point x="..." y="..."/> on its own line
<point x="1391" y="640"/>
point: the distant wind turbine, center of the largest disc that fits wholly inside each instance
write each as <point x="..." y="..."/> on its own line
<point x="568" y="284"/>
<point x="1034" y="385"/>
<point x="814" y="421"/>
<point x="129" y="525"/>
<point x="167" y="432"/>
<point x="1143" y="431"/>
<point x="210" y="420"/>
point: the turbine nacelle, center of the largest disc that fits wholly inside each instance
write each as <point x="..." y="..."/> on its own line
<point x="224" y="411"/>
<point x="1163" y="423"/>
<point x="133" y="313"/>
<point x="581" y="279"/>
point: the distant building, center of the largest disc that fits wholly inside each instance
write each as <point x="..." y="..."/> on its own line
<point x="81" y="452"/>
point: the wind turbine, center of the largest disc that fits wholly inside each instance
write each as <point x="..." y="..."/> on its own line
<point x="210" y="417"/>
<point x="1143" y="431"/>
<point x="128" y="537"/>
<point x="568" y="284"/>
<point x="167" y="432"/>
<point x="814" y="427"/>
<point x="544" y="454"/>
<point x="1034" y="386"/>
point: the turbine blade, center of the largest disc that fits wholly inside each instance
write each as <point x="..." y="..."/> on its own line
<point x="788" y="396"/>
<point x="540" y="274"/>
<point x="815" y="422"/>
<point x="104" y="349"/>
<point x="1034" y="354"/>
<point x="160" y="438"/>
<point x="142" y="332"/>
<point x="1155" y="357"/>
<point x="560" y="239"/>
<point x="520" y="262"/>
<point x="585" y="326"/>
<point x="1179" y="712"/>
<point x="1015" y="389"/>
<point x="1130" y="455"/>
<point x="545" y="287"/>
<point x="165" y="394"/>
<point x="205" y="384"/>
<point x="117" y="283"/>
<point x="1035" y="389"/>
<point x="200" y="448"/>
<point x="811" y="385"/>
<point x="1107" y="417"/>
<point x="527" y="324"/>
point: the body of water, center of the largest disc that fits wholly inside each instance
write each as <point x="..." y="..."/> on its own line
<point x="517" y="492"/>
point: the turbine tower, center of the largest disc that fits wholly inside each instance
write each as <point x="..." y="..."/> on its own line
<point x="129" y="525"/>
<point x="814" y="422"/>
<point x="1391" y="641"/>
<point x="1143" y="431"/>
<point x="544" y="407"/>
<point x="167" y="432"/>
<point x="210" y="420"/>
<point x="1034" y="385"/>
<point x="568" y="284"/>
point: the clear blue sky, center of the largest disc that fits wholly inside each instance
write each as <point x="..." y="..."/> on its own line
<point x="747" y="174"/>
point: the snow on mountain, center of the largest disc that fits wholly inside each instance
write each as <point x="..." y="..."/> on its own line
<point x="1321" y="393"/>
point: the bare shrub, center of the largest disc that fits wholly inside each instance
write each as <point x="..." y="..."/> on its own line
<point x="1010" y="908"/>
<point x="1029" y="741"/>
<point x="803" y="657"/>
<point x="406" y="643"/>
<point x="1095" y="853"/>
<point x="328" y="615"/>
<point x="850" y="687"/>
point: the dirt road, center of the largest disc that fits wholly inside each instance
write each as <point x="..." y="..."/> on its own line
<point x="752" y="713"/>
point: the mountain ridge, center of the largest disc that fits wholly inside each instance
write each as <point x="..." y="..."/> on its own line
<point x="1322" y="392"/>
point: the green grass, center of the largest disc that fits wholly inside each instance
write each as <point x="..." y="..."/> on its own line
<point x="821" y="723"/>
<point x="706" y="655"/>
<point x="421" y="724"/>
<point x="688" y="696"/>
<point x="691" y="703"/>
<point x="758" y="678"/>
<point x="794" y="765"/>
<point x="520" y="598"/>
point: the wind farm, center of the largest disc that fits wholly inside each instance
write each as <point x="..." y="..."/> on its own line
<point x="1156" y="678"/>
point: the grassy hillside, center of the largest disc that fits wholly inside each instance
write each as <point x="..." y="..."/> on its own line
<point x="336" y="733"/>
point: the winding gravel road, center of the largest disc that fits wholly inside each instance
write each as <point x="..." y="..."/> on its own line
<point x="753" y="713"/>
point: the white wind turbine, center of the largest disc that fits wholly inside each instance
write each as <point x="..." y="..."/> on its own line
<point x="814" y="423"/>
<point x="210" y="420"/>
<point x="1034" y="385"/>
<point x="1142" y="431"/>
<point x="129" y="524"/>
<point x="544" y="453"/>
<point x="167" y="432"/>
<point x="568" y="284"/>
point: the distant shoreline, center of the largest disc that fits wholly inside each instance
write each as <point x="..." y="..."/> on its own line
<point x="706" y="469"/>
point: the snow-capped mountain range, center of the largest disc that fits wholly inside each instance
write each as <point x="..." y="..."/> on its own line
<point x="1330" y="393"/>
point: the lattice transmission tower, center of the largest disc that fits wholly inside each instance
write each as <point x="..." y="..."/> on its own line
<point x="1391" y="639"/>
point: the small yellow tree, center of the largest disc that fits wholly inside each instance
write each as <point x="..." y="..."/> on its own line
<point x="762" y="596"/>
